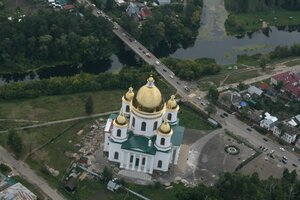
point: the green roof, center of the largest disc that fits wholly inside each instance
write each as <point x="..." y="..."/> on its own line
<point x="177" y="136"/>
<point x="139" y="143"/>
<point x="113" y="116"/>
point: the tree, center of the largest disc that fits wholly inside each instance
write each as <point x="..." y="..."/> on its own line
<point x="263" y="62"/>
<point x="210" y="109"/>
<point x="107" y="173"/>
<point x="15" y="142"/>
<point x="89" y="105"/>
<point x="109" y="5"/>
<point x="241" y="86"/>
<point x="213" y="93"/>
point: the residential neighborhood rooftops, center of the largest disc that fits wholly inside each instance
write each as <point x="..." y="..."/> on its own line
<point x="287" y="77"/>
<point x="17" y="192"/>
<point x="254" y="90"/>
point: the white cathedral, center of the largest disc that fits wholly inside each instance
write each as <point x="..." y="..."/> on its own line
<point x="145" y="136"/>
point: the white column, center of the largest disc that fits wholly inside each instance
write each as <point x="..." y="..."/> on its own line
<point x="128" y="159"/>
<point x="140" y="163"/>
<point x="151" y="164"/>
<point x="177" y="156"/>
<point x="133" y="163"/>
<point x="122" y="160"/>
<point x="146" y="164"/>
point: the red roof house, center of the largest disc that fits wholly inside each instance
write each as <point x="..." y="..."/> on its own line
<point x="264" y="86"/>
<point x="291" y="82"/>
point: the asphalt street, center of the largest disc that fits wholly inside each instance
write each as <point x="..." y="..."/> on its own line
<point x="29" y="174"/>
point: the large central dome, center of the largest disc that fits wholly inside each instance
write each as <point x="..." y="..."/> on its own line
<point x="148" y="98"/>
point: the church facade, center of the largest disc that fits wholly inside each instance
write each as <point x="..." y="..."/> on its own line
<point x="145" y="135"/>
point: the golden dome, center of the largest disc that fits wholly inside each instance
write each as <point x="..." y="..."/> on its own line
<point x="121" y="119"/>
<point x="148" y="98"/>
<point x="130" y="94"/>
<point x="172" y="104"/>
<point x="165" y="127"/>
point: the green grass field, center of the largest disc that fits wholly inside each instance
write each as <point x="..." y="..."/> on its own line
<point x="252" y="21"/>
<point x="191" y="119"/>
<point x="50" y="108"/>
<point x="235" y="78"/>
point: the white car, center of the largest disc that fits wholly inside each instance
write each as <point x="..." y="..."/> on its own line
<point x="282" y="149"/>
<point x="199" y="98"/>
<point x="157" y="62"/>
<point x="171" y="76"/>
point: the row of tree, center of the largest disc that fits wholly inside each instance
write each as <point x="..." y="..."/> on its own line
<point x="192" y="69"/>
<point x="236" y="186"/>
<point x="79" y="83"/>
<point x="242" y="6"/>
<point x="48" y="37"/>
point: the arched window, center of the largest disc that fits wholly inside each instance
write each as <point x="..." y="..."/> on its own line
<point x="116" y="156"/>
<point x="133" y="121"/>
<point x="143" y="128"/>
<point x="119" y="133"/>
<point x="162" y="141"/>
<point x="155" y="126"/>
<point x="159" y="164"/>
<point x="169" y="116"/>
<point x="127" y="108"/>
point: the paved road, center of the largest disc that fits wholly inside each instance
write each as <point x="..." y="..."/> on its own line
<point x="63" y="121"/>
<point x="278" y="69"/>
<point x="29" y="174"/>
<point x="188" y="90"/>
<point x="239" y="128"/>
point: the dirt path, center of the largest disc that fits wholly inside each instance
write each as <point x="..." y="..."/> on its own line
<point x="63" y="121"/>
<point x="213" y="18"/>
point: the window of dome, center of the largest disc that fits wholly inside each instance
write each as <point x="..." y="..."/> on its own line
<point x="119" y="133"/>
<point x="143" y="127"/>
<point x="155" y="126"/>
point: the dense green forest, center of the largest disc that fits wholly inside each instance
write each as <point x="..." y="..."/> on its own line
<point x="242" y="6"/>
<point x="169" y="26"/>
<point x="47" y="38"/>
<point x="192" y="69"/>
<point x="238" y="187"/>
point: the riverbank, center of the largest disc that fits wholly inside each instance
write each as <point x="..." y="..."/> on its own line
<point x="241" y="23"/>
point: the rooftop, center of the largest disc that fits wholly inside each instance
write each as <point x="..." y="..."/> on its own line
<point x="17" y="192"/>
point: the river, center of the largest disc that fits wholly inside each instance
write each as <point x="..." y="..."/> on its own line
<point x="212" y="41"/>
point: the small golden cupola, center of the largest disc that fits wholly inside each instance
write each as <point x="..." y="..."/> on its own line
<point x="129" y="95"/>
<point x="172" y="104"/>
<point x="121" y="119"/>
<point x="165" y="128"/>
<point x="148" y="98"/>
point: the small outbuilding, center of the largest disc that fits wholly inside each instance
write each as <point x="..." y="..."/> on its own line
<point x="113" y="186"/>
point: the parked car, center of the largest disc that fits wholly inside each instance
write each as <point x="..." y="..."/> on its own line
<point x="171" y="76"/>
<point x="249" y="129"/>
<point x="157" y="62"/>
<point x="225" y="114"/>
<point x="265" y="139"/>
<point x="164" y="70"/>
<point x="186" y="88"/>
<point x="294" y="165"/>
<point x="282" y="149"/>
